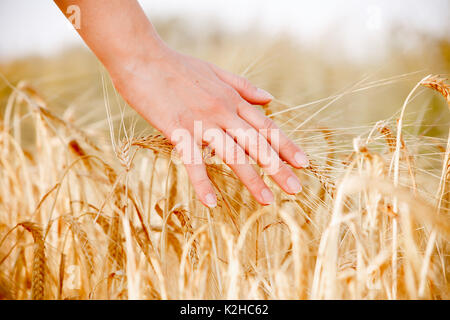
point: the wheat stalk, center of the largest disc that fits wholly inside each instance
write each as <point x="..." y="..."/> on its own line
<point x="38" y="274"/>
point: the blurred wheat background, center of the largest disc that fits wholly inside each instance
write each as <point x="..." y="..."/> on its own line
<point x="94" y="204"/>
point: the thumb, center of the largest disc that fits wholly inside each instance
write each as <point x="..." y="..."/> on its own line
<point x="246" y="90"/>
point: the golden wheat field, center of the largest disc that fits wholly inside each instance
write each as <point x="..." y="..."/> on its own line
<point x="94" y="204"/>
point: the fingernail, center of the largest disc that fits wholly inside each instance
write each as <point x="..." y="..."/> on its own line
<point x="211" y="200"/>
<point x="264" y="94"/>
<point x="301" y="160"/>
<point x="267" y="196"/>
<point x="293" y="185"/>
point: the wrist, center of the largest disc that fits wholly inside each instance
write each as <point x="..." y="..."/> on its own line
<point x="143" y="50"/>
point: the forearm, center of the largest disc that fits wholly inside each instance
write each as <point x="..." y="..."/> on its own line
<point x="117" y="31"/>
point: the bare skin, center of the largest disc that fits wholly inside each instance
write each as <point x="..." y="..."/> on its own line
<point x="172" y="91"/>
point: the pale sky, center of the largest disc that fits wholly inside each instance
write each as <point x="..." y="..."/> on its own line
<point x="37" y="27"/>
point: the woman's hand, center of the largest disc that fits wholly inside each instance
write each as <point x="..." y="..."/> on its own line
<point x="177" y="94"/>
<point x="193" y="102"/>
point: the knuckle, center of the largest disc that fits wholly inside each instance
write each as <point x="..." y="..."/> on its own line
<point x="202" y="182"/>
<point x="216" y="102"/>
<point x="227" y="117"/>
<point x="269" y="124"/>
<point x="225" y="113"/>
<point x="244" y="108"/>
<point x="242" y="82"/>
<point x="174" y="123"/>
<point x="270" y="162"/>
<point x="254" y="180"/>
<point x="230" y="93"/>
<point x="254" y="144"/>
<point x="283" y="172"/>
<point x="218" y="106"/>
<point x="234" y="156"/>
<point x="286" y="144"/>
<point x="240" y="156"/>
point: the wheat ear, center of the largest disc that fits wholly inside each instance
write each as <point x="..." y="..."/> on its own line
<point x="38" y="273"/>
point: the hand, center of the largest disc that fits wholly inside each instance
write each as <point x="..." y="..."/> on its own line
<point x="175" y="92"/>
